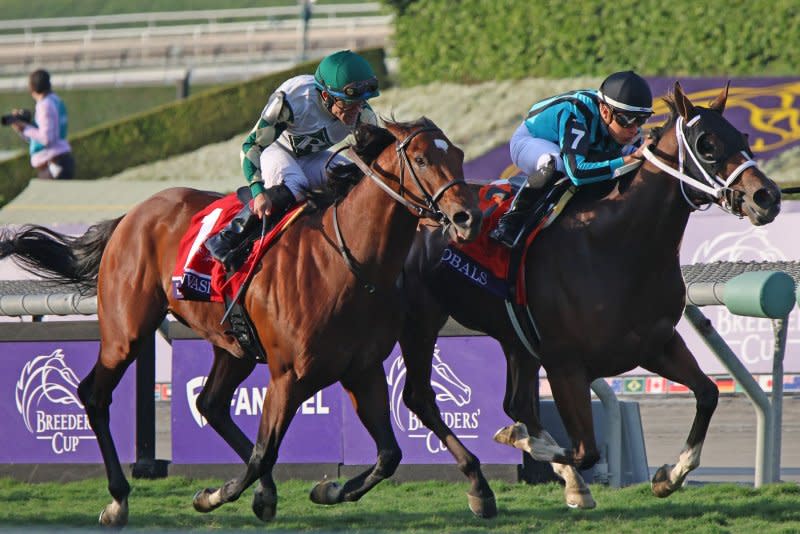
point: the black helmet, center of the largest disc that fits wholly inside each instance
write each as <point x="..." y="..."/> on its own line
<point x="627" y="91"/>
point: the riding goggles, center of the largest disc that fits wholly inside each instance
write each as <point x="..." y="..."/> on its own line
<point x="626" y="120"/>
<point x="359" y="90"/>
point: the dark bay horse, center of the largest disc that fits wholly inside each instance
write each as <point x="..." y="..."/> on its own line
<point x="605" y="291"/>
<point x="324" y="304"/>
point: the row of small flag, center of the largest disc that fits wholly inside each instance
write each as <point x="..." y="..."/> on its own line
<point x="656" y="385"/>
<point x="624" y="385"/>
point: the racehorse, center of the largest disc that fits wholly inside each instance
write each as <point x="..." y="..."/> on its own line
<point x="323" y="301"/>
<point x="605" y="291"/>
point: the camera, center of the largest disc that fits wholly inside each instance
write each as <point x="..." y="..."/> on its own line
<point x="24" y="115"/>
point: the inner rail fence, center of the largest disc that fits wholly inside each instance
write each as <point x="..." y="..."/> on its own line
<point x="188" y="39"/>
<point x="763" y="289"/>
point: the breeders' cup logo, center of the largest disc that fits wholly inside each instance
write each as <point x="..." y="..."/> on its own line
<point x="749" y="245"/>
<point x="750" y="337"/>
<point x="452" y="395"/>
<point x="47" y="400"/>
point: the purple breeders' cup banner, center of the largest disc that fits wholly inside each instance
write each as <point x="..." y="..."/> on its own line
<point x="716" y="236"/>
<point x="764" y="108"/>
<point x="469" y="381"/>
<point x="43" y="418"/>
<point x="314" y="435"/>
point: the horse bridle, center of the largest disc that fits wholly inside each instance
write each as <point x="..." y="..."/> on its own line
<point x="429" y="209"/>
<point x="717" y="187"/>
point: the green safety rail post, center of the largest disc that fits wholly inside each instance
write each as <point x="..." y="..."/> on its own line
<point x="766" y="294"/>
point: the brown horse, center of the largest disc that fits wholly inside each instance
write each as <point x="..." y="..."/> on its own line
<point x="324" y="303"/>
<point x="606" y="292"/>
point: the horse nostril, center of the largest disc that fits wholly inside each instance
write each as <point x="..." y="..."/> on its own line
<point x="763" y="198"/>
<point x="462" y="218"/>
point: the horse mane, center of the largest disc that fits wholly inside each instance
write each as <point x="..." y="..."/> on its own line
<point x="371" y="141"/>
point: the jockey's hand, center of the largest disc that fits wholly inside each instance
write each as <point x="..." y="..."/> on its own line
<point x="262" y="205"/>
<point x="638" y="155"/>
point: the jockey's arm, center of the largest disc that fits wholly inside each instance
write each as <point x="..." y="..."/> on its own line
<point x="575" y="145"/>
<point x="274" y="119"/>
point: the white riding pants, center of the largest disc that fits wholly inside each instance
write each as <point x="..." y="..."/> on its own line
<point x="300" y="175"/>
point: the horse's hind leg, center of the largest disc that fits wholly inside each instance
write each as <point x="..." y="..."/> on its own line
<point x="679" y="365"/>
<point x="528" y="435"/>
<point x="371" y="401"/>
<point x="117" y="351"/>
<point x="214" y="401"/>
<point x="417" y="348"/>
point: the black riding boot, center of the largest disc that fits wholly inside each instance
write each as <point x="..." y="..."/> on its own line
<point x="227" y="246"/>
<point x="512" y="221"/>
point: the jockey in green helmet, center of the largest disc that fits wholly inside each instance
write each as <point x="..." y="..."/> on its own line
<point x="286" y="152"/>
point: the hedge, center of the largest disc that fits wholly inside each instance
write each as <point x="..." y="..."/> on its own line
<point x="479" y="40"/>
<point x="168" y="130"/>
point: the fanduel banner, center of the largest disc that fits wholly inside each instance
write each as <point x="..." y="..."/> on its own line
<point x="468" y="378"/>
<point x="314" y="435"/>
<point x="43" y="418"/>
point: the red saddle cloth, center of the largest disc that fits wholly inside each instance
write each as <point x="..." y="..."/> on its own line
<point x="197" y="276"/>
<point x="494" y="199"/>
<point x="486" y="262"/>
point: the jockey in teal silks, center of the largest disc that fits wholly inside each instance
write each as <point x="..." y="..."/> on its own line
<point x="587" y="135"/>
<point x="285" y="154"/>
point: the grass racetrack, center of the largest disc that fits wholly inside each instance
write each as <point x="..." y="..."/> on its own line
<point x="411" y="507"/>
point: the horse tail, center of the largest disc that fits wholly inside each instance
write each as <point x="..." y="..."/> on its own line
<point x="59" y="258"/>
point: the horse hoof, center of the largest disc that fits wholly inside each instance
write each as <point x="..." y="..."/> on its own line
<point x="326" y="492"/>
<point x="265" y="505"/>
<point x="511" y="434"/>
<point x="661" y="484"/>
<point x="581" y="499"/>
<point x="114" y="515"/>
<point x="202" y="501"/>
<point x="483" y="507"/>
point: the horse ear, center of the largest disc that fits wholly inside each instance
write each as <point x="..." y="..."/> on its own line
<point x="719" y="103"/>
<point x="685" y="108"/>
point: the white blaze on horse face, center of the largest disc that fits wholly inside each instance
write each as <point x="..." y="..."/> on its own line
<point x="441" y="144"/>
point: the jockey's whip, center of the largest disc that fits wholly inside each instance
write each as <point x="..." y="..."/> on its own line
<point x="249" y="273"/>
<point x="790" y="190"/>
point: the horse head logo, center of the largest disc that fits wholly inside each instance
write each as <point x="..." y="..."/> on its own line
<point x="446" y="384"/>
<point x="751" y="244"/>
<point x="46" y="377"/>
<point x="193" y="389"/>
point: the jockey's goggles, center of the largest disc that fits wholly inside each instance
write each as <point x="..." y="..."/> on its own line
<point x="360" y="90"/>
<point x="627" y="119"/>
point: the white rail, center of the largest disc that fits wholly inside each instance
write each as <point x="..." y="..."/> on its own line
<point x="27" y="26"/>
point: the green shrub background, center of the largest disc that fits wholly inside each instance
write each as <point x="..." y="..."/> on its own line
<point x="481" y="40"/>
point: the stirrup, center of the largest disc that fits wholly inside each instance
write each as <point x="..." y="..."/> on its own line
<point x="505" y="237"/>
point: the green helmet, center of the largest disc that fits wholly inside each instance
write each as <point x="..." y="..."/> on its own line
<point x="346" y="76"/>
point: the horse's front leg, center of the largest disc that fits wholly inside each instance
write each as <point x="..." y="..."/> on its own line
<point x="420" y="398"/>
<point x="678" y="364"/>
<point x="371" y="401"/>
<point x="284" y="396"/>
<point x="528" y="435"/>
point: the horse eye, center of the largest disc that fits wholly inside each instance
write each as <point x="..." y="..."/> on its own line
<point x="705" y="147"/>
<point x="419" y="160"/>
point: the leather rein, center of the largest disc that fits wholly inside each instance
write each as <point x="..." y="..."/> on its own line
<point x="427" y="207"/>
